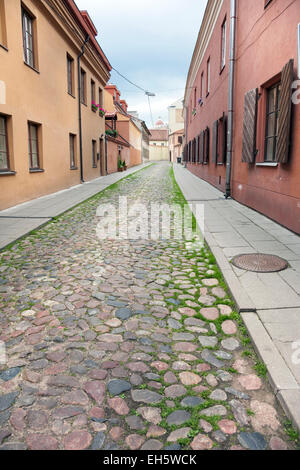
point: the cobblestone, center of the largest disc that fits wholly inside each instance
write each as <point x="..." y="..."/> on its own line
<point x="110" y="338"/>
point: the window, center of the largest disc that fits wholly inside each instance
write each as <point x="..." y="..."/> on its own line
<point x="195" y="97"/>
<point x="93" y="92"/>
<point x="33" y="144"/>
<point x="82" y="86"/>
<point x="208" y="78"/>
<point x="28" y="39"/>
<point x="180" y="139"/>
<point x="4" y="157"/>
<point x="2" y="24"/>
<point x="272" y="122"/>
<point x="72" y="139"/>
<point x="94" y="153"/>
<point x="70" y="67"/>
<point x="201" y="85"/>
<point x="223" y="45"/>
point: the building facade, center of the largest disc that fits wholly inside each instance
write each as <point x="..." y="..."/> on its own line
<point x="127" y="130"/>
<point x="176" y="117"/>
<point x="176" y="146"/>
<point x="263" y="169"/>
<point x="47" y="144"/>
<point x="116" y="147"/>
<point x="159" y="142"/>
<point x="145" y="134"/>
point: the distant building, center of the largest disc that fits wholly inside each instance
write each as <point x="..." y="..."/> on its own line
<point x="176" y="117"/>
<point x="159" y="140"/>
<point x="123" y="135"/>
<point x="176" y="145"/>
<point x="145" y="134"/>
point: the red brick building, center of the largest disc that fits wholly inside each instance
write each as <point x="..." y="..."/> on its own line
<point x="259" y="165"/>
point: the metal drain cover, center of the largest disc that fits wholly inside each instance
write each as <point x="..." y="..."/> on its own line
<point x="260" y="263"/>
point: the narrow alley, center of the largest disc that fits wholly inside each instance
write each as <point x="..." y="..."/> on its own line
<point x="131" y="344"/>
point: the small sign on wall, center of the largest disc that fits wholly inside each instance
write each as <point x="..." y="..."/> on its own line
<point x="2" y="92"/>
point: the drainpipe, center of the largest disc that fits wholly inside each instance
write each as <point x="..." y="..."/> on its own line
<point x="79" y="108"/>
<point x="186" y="131"/>
<point x="231" y="97"/>
<point x="105" y="140"/>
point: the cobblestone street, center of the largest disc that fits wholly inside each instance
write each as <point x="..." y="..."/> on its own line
<point x="131" y="344"/>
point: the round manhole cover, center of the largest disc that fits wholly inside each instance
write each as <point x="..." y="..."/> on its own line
<point x="260" y="263"/>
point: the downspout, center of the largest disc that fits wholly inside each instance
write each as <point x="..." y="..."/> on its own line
<point x="105" y="141"/>
<point x="79" y="108"/>
<point x="231" y="98"/>
<point x="186" y="131"/>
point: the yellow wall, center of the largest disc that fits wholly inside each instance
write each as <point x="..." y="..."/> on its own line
<point x="135" y="139"/>
<point x="159" y="152"/>
<point x="42" y="97"/>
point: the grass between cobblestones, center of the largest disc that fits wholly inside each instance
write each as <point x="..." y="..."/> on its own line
<point x="196" y="264"/>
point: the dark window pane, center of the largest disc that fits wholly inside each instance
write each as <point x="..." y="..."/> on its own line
<point x="272" y="100"/>
<point x="271" y="125"/>
<point x="3" y="145"/>
<point x="270" y="150"/>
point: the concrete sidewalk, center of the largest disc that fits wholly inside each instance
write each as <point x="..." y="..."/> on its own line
<point x="17" y="221"/>
<point x="269" y="303"/>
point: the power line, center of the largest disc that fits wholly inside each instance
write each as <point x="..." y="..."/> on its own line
<point x="150" y="111"/>
<point x="129" y="81"/>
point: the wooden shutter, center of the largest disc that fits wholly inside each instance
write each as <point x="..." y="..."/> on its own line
<point x="194" y="150"/>
<point x="249" y="130"/>
<point x="285" y="112"/>
<point x="224" y="139"/>
<point x="215" y="139"/>
<point x="206" y="145"/>
<point x="201" y="145"/>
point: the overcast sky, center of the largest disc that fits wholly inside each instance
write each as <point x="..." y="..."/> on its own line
<point x="151" y="43"/>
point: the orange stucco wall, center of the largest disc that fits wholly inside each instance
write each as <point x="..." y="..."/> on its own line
<point x="42" y="97"/>
<point x="131" y="147"/>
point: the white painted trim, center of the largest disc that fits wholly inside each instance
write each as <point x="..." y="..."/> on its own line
<point x="270" y="164"/>
<point x="2" y="92"/>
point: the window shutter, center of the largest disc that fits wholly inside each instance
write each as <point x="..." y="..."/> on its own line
<point x="224" y="139"/>
<point x="194" y="150"/>
<point x="206" y="145"/>
<point x="197" y="150"/>
<point x="249" y="130"/>
<point x="201" y="144"/>
<point x="285" y="113"/>
<point x="215" y="142"/>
